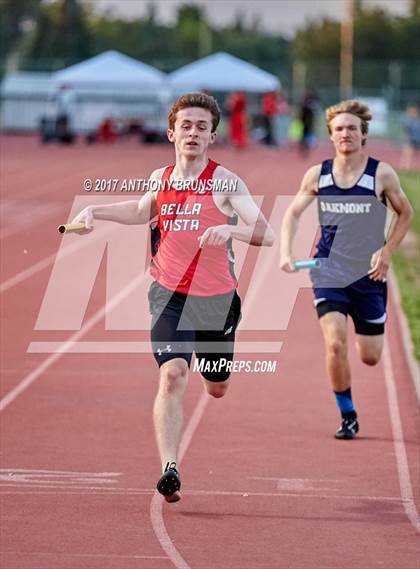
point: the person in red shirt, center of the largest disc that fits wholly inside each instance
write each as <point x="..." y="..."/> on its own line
<point x="193" y="299"/>
<point x="269" y="109"/>
<point x="236" y="106"/>
<point x="106" y="131"/>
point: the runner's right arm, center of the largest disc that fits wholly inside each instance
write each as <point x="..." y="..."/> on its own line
<point x="130" y="212"/>
<point x="305" y="196"/>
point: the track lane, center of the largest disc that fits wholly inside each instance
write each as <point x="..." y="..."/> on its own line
<point x="93" y="414"/>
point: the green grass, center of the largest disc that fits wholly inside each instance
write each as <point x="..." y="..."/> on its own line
<point x="406" y="261"/>
<point x="410" y="183"/>
<point x="408" y="282"/>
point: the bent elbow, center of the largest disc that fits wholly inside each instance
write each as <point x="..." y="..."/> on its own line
<point x="410" y="213"/>
<point x="142" y="217"/>
<point x="406" y="215"/>
<point x="141" y="220"/>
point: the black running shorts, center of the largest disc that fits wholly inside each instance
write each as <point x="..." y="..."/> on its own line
<point x="183" y="324"/>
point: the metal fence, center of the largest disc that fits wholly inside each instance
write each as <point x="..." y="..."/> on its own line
<point x="396" y="83"/>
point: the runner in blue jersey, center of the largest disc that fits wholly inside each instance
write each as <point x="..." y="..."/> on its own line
<point x="353" y="191"/>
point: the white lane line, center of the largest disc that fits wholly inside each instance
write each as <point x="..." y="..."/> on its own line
<point x="66" y="347"/>
<point x="27" y="273"/>
<point x="403" y="471"/>
<point x="91" y="555"/>
<point x="23" y="222"/>
<point x="34" y="218"/>
<point x="33" y="489"/>
<point x="156" y="505"/>
<point x="42" y="472"/>
<point x="43" y="187"/>
<point x="398" y="437"/>
<point x="62" y="488"/>
<point x="46" y="477"/>
<point x="405" y="333"/>
<point x="47" y="261"/>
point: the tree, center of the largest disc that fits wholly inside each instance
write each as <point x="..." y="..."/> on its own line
<point x="407" y="38"/>
<point x="66" y="33"/>
<point x="187" y="31"/>
<point x="38" y="45"/>
<point x="374" y="36"/>
<point x="12" y="15"/>
<point x="318" y="45"/>
<point x="379" y="41"/>
<point x="60" y="35"/>
<point x="239" y="25"/>
<point x="317" y="41"/>
<point x="70" y="39"/>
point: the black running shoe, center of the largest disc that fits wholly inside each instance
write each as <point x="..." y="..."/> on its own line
<point x="349" y="428"/>
<point x="170" y="483"/>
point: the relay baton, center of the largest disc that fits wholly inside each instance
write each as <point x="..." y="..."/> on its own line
<point x="71" y="227"/>
<point x="310" y="264"/>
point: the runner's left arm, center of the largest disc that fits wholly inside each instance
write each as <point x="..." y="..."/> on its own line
<point x="390" y="183"/>
<point x="255" y="229"/>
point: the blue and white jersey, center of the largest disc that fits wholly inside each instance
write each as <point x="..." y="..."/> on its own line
<point x="352" y="219"/>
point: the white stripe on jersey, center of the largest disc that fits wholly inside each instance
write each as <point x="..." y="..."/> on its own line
<point x="367" y="182"/>
<point x="325" y="180"/>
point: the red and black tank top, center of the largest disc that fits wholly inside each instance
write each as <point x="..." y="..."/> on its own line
<point x="184" y="213"/>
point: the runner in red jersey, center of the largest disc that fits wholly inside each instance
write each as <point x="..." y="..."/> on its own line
<point x="179" y="263"/>
<point x="193" y="299"/>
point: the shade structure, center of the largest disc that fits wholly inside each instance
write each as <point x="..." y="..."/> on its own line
<point x="25" y="98"/>
<point x="223" y="72"/>
<point x="110" y="69"/>
<point x="111" y="85"/>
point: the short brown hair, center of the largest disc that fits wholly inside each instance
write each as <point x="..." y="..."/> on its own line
<point x="353" y="107"/>
<point x="201" y="100"/>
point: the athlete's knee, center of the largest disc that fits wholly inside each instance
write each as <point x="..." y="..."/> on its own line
<point x="337" y="347"/>
<point x="217" y="389"/>
<point x="370" y="351"/>
<point x="173" y="376"/>
<point x="371" y="358"/>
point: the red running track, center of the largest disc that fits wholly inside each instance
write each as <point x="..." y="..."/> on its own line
<point x="265" y="483"/>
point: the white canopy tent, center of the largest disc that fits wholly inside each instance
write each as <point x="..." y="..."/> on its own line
<point x="109" y="70"/>
<point x="223" y="72"/>
<point x="112" y="85"/>
<point x="25" y="98"/>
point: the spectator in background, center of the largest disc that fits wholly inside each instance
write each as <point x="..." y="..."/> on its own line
<point x="236" y="107"/>
<point x="411" y="150"/>
<point x="65" y="106"/>
<point x="308" y="112"/>
<point x="269" y="110"/>
<point x="281" y="120"/>
<point x="295" y="130"/>
<point x="106" y="131"/>
<point x="63" y="132"/>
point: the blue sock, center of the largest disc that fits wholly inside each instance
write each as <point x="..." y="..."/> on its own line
<point x="344" y="401"/>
